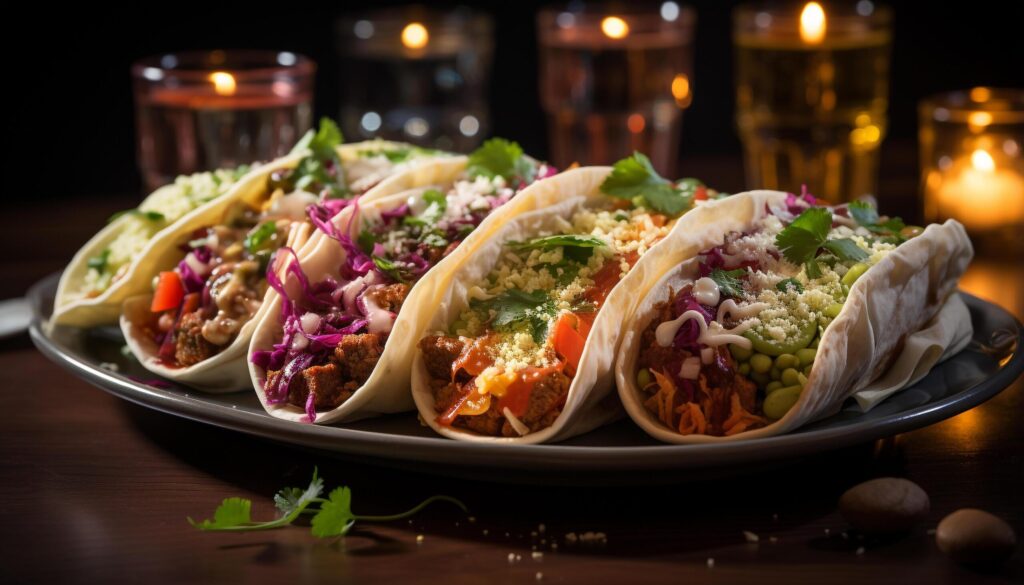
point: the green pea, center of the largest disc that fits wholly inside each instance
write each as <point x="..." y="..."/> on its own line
<point x="786" y="360"/>
<point x="776" y="348"/>
<point x="744" y="368"/>
<point x="832" y="311"/>
<point x="790" y="377"/>
<point x="855" y="272"/>
<point x="760" y="363"/>
<point x="740" y="353"/>
<point x="643" y="378"/>
<point x="801" y="379"/>
<point x="772" y="387"/>
<point x="806" y="356"/>
<point x="776" y="373"/>
<point x="778" y="403"/>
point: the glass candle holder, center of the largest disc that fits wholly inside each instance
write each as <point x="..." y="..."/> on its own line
<point x="417" y="75"/>
<point x="972" y="168"/>
<point x="198" y="111"/>
<point x="615" y="78"/>
<point x="812" y="87"/>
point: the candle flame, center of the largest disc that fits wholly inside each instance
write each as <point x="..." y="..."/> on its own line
<point x="982" y="161"/>
<point x="415" y="36"/>
<point x="614" y="27"/>
<point x="681" y="90"/>
<point x="812" y="23"/>
<point x="223" y="83"/>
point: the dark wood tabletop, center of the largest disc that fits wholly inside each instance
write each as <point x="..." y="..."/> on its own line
<point x="95" y="489"/>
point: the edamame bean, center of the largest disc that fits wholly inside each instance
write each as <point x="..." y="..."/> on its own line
<point x="778" y="403"/>
<point x="790" y="377"/>
<point x="855" y="272"/>
<point x="760" y="363"/>
<point x="740" y="353"/>
<point x="832" y="311"/>
<point x="786" y="360"/>
<point x="643" y="378"/>
<point x="773" y="387"/>
<point x="807" y="370"/>
<point x="801" y="380"/>
<point x="745" y="368"/>
<point x="776" y="348"/>
<point x="806" y="356"/>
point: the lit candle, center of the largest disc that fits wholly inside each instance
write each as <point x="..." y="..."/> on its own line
<point x="979" y="194"/>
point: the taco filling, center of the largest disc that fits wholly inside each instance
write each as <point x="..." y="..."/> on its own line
<point x="732" y="351"/>
<point x="200" y="306"/>
<point x="505" y="365"/>
<point x="336" y="329"/>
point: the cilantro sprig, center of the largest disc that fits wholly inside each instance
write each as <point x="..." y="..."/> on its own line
<point x="728" y="281"/>
<point x="634" y="178"/>
<point x="322" y="170"/>
<point x="867" y="217"/>
<point x="332" y="516"/>
<point x="575" y="247"/>
<point x="498" y="157"/>
<point x="436" y="202"/>
<point x="517" y="309"/>
<point x="801" y="241"/>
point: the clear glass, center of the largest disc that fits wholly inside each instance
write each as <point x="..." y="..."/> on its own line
<point x="615" y="78"/>
<point x="972" y="168"/>
<point x="197" y="111"/>
<point x="417" y="75"/>
<point x="810" y="102"/>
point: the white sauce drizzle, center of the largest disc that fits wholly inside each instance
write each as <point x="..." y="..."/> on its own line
<point x="706" y="291"/>
<point x="380" y="320"/>
<point x="710" y="335"/>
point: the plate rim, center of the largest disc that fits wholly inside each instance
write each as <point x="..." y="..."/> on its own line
<point x="547" y="457"/>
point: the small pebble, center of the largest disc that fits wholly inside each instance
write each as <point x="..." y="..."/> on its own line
<point x="973" y="536"/>
<point x="884" y="505"/>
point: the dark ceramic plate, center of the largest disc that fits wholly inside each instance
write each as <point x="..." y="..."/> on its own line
<point x="991" y="363"/>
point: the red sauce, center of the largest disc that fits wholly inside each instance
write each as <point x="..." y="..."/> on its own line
<point x="517" y="395"/>
<point x="474" y="358"/>
<point x="604" y="281"/>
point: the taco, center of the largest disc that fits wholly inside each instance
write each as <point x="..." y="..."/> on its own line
<point x="114" y="263"/>
<point x="208" y="271"/>
<point x="338" y="337"/>
<point x="524" y="334"/>
<point x="777" y="311"/>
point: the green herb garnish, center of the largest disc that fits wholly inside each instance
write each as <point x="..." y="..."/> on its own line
<point x="800" y="240"/>
<point x="366" y="240"/>
<point x="332" y="516"/>
<point x="500" y="158"/>
<point x="867" y="217"/>
<point x="785" y="284"/>
<point x="635" y="179"/>
<point x="258" y="238"/>
<point x="577" y="248"/>
<point x="846" y="250"/>
<point x="390" y="268"/>
<point x="313" y="171"/>
<point x="99" y="262"/>
<point x="153" y="216"/>
<point x="728" y="281"/>
<point x="436" y="205"/>
<point x="515" y="308"/>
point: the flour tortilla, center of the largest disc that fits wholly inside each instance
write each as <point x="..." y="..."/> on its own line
<point x="895" y="298"/>
<point x="387" y="388"/>
<point x="591" y="401"/>
<point x="72" y="309"/>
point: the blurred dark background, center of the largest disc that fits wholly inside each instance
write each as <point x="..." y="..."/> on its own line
<point x="72" y="120"/>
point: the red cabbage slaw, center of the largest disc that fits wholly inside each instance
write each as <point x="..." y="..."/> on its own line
<point x="316" y="320"/>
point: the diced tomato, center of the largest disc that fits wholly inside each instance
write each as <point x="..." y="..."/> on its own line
<point x="169" y="292"/>
<point x="700" y="193"/>
<point x="658" y="219"/>
<point x="569" y="339"/>
<point x="605" y="279"/>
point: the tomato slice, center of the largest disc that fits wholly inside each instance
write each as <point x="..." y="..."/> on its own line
<point x="569" y="339"/>
<point x="604" y="281"/>
<point x="169" y="292"/>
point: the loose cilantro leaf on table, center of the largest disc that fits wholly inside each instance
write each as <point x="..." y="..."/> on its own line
<point x="500" y="158"/>
<point x="332" y="516"/>
<point x="635" y="177"/>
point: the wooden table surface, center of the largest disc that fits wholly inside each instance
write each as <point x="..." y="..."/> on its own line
<point x="94" y="489"/>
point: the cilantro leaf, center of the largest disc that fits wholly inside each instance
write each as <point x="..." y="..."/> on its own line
<point x="575" y="247"/>
<point x="258" y="238"/>
<point x="728" y="281"/>
<point x="153" y="216"/>
<point x="863" y="213"/>
<point x="800" y="240"/>
<point x="635" y="177"/>
<point x="366" y="240"/>
<point x="99" y="262"/>
<point x="498" y="157"/>
<point x="389" y="268"/>
<point x="846" y="250"/>
<point x="335" y="517"/>
<point x="292" y="500"/>
<point x="323" y="142"/>
<point x="785" y="284"/>
<point x="436" y="202"/>
<point x="231" y="513"/>
<point x="515" y="308"/>
<point x="322" y="169"/>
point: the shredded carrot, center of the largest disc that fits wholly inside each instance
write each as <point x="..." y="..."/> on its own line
<point x="665" y="395"/>
<point x="739" y="419"/>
